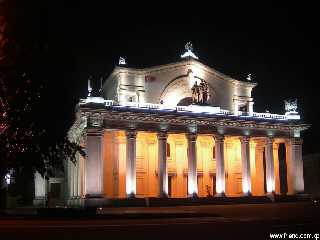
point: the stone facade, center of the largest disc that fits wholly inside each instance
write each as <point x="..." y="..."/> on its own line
<point x="143" y="139"/>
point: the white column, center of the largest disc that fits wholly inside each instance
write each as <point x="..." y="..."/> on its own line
<point x="220" y="170"/>
<point x="162" y="164"/>
<point x="250" y="108"/>
<point x="94" y="163"/>
<point x="269" y="166"/>
<point x="236" y="106"/>
<point x="40" y="189"/>
<point x="295" y="167"/>
<point x="192" y="165"/>
<point x="71" y="179"/>
<point x="131" y="163"/>
<point x="76" y="178"/>
<point x="245" y="157"/>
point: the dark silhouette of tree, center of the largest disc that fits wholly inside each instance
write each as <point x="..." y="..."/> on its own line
<point x="25" y="146"/>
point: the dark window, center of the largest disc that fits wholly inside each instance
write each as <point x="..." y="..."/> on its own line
<point x="214" y="152"/>
<point x="185" y="102"/>
<point x="243" y="109"/>
<point x="168" y="150"/>
<point x="169" y="186"/>
<point x="214" y="184"/>
<point x="55" y="190"/>
<point x="282" y="168"/>
<point x="264" y="170"/>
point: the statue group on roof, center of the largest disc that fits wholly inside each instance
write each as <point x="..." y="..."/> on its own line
<point x="200" y="93"/>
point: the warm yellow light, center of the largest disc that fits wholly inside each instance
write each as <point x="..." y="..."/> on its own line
<point x="130" y="186"/>
<point x="219" y="186"/>
<point x="192" y="187"/>
<point x="246" y="187"/>
<point x="270" y="186"/>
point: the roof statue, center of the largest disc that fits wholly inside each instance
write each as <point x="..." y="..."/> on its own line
<point x="188" y="47"/>
<point x="100" y="90"/>
<point x="89" y="87"/>
<point x="200" y="93"/>
<point x="122" y="61"/>
<point x="249" y="78"/>
<point x="291" y="106"/>
<point x="92" y="96"/>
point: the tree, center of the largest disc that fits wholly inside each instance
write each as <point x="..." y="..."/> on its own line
<point x="25" y="147"/>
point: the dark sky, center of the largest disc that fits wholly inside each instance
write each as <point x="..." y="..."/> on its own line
<point x="278" y="44"/>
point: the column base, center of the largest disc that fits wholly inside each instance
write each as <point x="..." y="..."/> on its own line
<point x="247" y="194"/>
<point x="131" y="195"/>
<point x="97" y="195"/>
<point x="94" y="202"/>
<point x="163" y="195"/>
<point x="193" y="195"/>
<point x="271" y="196"/>
<point x="221" y="195"/>
<point x="39" y="202"/>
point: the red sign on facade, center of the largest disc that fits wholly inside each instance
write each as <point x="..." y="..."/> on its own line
<point x="149" y="78"/>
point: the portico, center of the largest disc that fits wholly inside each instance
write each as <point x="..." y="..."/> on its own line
<point x="179" y="160"/>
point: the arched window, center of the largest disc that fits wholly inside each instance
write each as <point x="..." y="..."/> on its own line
<point x="214" y="152"/>
<point x="168" y="150"/>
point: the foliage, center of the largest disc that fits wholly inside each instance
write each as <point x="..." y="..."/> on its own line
<point x="24" y="144"/>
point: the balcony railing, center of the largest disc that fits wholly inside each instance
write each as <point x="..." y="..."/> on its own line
<point x="208" y="110"/>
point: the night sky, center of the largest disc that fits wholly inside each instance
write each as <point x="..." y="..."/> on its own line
<point x="278" y="44"/>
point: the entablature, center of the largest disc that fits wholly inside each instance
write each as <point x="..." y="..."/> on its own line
<point x="178" y="122"/>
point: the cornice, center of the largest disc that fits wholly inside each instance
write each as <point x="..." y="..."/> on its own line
<point x="180" y="119"/>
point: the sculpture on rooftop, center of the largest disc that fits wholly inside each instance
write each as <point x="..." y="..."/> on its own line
<point x="122" y="61"/>
<point x="89" y="86"/>
<point x="189" y="54"/>
<point x="188" y="46"/>
<point x="200" y="93"/>
<point x="291" y="105"/>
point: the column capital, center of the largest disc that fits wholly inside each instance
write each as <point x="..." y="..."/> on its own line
<point x="163" y="127"/>
<point x="244" y="139"/>
<point x="192" y="136"/>
<point x="95" y="131"/>
<point x="295" y="141"/>
<point x="131" y="133"/>
<point x="162" y="135"/>
<point x="218" y="137"/>
<point x="269" y="140"/>
<point x="95" y="120"/>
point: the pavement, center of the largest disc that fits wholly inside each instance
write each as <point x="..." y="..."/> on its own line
<point x="241" y="221"/>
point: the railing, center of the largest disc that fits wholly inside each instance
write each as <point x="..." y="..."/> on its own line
<point x="191" y="109"/>
<point x="269" y="115"/>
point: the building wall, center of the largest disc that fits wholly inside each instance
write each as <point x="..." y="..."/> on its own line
<point x="155" y="84"/>
<point x="233" y="167"/>
<point x="114" y="167"/>
<point x="177" y="163"/>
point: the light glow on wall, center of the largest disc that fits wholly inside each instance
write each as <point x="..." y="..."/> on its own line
<point x="192" y="187"/>
<point x="130" y="188"/>
<point x="245" y="187"/>
<point x="270" y="187"/>
<point x="220" y="188"/>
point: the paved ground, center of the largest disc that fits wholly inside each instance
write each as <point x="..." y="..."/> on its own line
<point x="242" y="221"/>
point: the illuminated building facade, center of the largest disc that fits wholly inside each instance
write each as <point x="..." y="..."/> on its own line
<point x="180" y="130"/>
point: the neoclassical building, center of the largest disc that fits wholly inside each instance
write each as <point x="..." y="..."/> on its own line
<point x="180" y="130"/>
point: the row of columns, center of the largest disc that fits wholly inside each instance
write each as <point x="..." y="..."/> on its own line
<point x="94" y="164"/>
